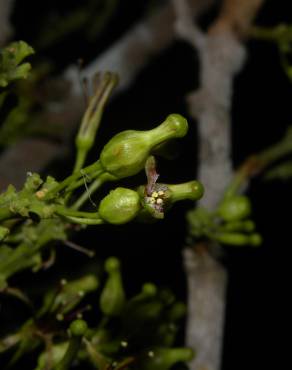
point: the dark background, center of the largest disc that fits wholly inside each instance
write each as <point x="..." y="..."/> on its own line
<point x="257" y="307"/>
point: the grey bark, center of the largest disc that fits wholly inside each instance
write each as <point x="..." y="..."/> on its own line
<point x="221" y="57"/>
<point x="6" y="30"/>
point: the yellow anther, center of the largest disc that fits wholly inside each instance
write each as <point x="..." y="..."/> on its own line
<point x="159" y="201"/>
<point x="154" y="194"/>
<point x="161" y="192"/>
<point x="152" y="200"/>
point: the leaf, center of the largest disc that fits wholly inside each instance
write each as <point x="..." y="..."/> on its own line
<point x="11" y="58"/>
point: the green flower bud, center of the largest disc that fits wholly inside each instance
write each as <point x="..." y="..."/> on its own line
<point x="70" y="295"/>
<point x="112" y="298"/>
<point x="104" y="84"/>
<point x="249" y="226"/>
<point x="255" y="240"/>
<point x="168" y="329"/>
<point x="78" y="328"/>
<point x="246" y="225"/>
<point x="192" y="190"/>
<point x="126" y="153"/>
<point x="143" y="309"/>
<point x="119" y="206"/>
<point x="233" y="239"/>
<point x="166" y="334"/>
<point x="149" y="290"/>
<point x="55" y="355"/>
<point x="164" y="358"/>
<point x="177" y="311"/>
<point x="200" y="222"/>
<point x="235" y="208"/>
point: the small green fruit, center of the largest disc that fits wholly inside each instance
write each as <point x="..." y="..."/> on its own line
<point x="119" y="206"/>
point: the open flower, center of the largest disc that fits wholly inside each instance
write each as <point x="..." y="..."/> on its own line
<point x="158" y="197"/>
<point x="155" y="194"/>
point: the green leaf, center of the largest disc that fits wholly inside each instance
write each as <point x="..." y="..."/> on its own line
<point x="11" y="58"/>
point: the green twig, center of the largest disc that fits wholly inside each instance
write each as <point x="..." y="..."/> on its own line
<point x="268" y="33"/>
<point x="89" y="191"/>
<point x="257" y="163"/>
<point x="73" y="213"/>
<point x="94" y="168"/>
<point x="85" y="221"/>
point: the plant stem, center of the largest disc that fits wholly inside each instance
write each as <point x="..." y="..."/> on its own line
<point x="82" y="181"/>
<point x="70" y="354"/>
<point x="86" y="195"/>
<point x="74" y="213"/>
<point x="80" y="159"/>
<point x="77" y="330"/>
<point x="94" y="168"/>
<point x="266" y="33"/>
<point x="85" y="221"/>
<point x="257" y="163"/>
<point x="276" y="151"/>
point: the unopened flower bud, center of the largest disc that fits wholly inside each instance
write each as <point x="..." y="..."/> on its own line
<point x="119" y="206"/>
<point x="112" y="298"/>
<point x="78" y="327"/>
<point x="255" y="239"/>
<point x="192" y="190"/>
<point x="233" y="239"/>
<point x="238" y="239"/>
<point x="165" y="358"/>
<point x="235" y="208"/>
<point x="126" y="153"/>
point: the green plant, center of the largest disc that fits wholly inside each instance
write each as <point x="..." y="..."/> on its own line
<point x="35" y="219"/>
